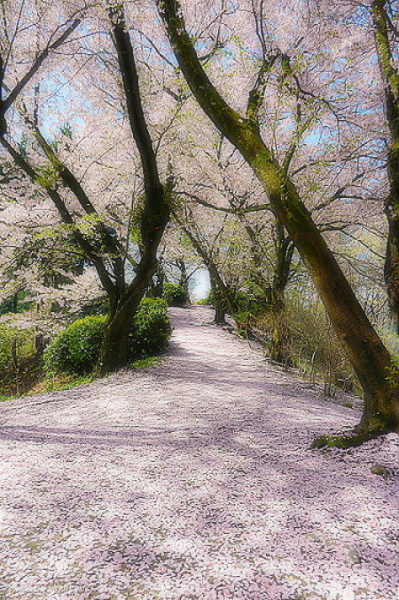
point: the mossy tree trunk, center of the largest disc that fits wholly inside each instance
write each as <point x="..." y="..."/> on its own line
<point x="368" y="355"/>
<point x="382" y="25"/>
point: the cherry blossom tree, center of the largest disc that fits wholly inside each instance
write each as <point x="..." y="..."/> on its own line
<point x="97" y="240"/>
<point x="368" y="355"/>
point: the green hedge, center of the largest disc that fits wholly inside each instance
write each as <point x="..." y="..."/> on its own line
<point x="174" y="294"/>
<point x="76" y="349"/>
<point x="151" y="329"/>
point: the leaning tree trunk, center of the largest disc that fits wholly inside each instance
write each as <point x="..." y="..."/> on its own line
<point x="390" y="78"/>
<point x="367" y="353"/>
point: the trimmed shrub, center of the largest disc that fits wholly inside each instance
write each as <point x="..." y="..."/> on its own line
<point x="174" y="294"/>
<point x="76" y="349"/>
<point x="151" y="329"/>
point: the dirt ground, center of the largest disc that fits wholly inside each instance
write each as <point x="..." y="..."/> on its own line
<point x="193" y="480"/>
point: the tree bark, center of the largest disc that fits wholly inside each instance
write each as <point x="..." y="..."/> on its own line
<point x="390" y="79"/>
<point x="367" y="353"/>
<point x="114" y="353"/>
<point x="155" y="214"/>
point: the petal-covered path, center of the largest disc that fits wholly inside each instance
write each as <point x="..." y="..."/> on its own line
<point x="192" y="481"/>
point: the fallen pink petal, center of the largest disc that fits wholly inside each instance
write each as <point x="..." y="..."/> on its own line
<point x="193" y="481"/>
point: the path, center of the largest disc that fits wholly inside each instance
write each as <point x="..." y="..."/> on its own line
<point x="191" y="481"/>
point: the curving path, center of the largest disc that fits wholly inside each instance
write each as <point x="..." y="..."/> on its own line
<point x="192" y="481"/>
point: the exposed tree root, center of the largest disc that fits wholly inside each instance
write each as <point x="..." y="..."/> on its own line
<point x="347" y="440"/>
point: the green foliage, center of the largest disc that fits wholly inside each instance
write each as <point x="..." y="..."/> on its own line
<point x="66" y="382"/>
<point x="204" y="301"/>
<point x="250" y="297"/>
<point x="393" y="373"/>
<point x="16" y="303"/>
<point x="48" y="176"/>
<point x="151" y="329"/>
<point x="174" y="294"/>
<point x="209" y="300"/>
<point x="77" y="348"/>
<point x="244" y="322"/>
<point x="15" y="345"/>
<point x="145" y="363"/>
<point x="308" y="342"/>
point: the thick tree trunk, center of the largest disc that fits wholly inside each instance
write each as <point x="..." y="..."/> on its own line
<point x="367" y="353"/>
<point x="279" y="348"/>
<point x="155" y="214"/>
<point x="114" y="352"/>
<point x="390" y="78"/>
<point x="219" y="300"/>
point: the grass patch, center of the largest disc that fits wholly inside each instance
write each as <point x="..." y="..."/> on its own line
<point x="61" y="381"/>
<point x="4" y="398"/>
<point x="66" y="381"/>
<point x="145" y="363"/>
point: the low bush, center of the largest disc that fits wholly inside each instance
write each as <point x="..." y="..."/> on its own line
<point x="76" y="349"/>
<point x="151" y="329"/>
<point x="15" y="345"/>
<point x="251" y="298"/>
<point x="308" y="342"/>
<point x="174" y="294"/>
<point x="19" y="362"/>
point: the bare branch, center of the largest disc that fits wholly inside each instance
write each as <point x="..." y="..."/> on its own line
<point x="38" y="63"/>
